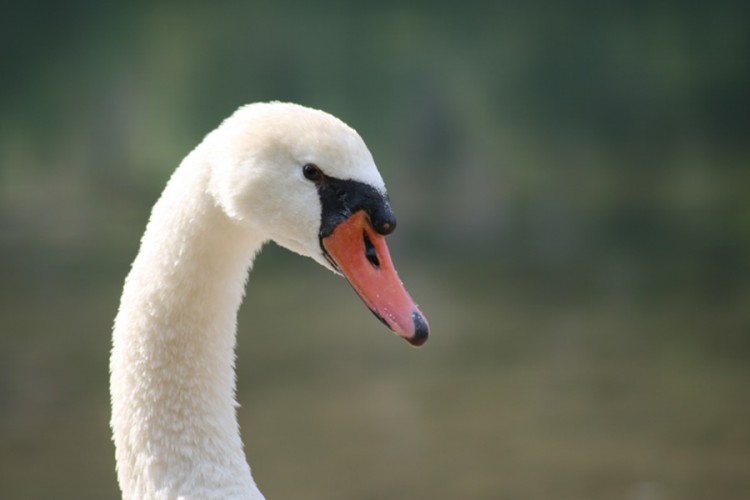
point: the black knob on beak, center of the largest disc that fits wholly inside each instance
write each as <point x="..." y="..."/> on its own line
<point x="381" y="216"/>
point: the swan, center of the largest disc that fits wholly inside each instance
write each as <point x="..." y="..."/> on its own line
<point x="270" y="172"/>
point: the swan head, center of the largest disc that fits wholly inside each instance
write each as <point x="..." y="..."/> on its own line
<point x="307" y="181"/>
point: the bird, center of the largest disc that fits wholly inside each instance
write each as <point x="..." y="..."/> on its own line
<point x="271" y="171"/>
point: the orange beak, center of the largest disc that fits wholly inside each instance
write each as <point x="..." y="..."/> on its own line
<point x="360" y="253"/>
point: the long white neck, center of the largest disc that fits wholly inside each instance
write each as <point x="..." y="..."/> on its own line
<point x="172" y="366"/>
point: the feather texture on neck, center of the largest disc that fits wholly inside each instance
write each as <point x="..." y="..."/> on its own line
<point x="173" y="384"/>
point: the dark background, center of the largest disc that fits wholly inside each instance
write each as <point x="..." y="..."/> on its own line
<point x="571" y="181"/>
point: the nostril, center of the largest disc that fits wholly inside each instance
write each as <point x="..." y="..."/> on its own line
<point x="370" y="252"/>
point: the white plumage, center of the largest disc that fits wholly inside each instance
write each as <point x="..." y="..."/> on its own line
<point x="172" y="365"/>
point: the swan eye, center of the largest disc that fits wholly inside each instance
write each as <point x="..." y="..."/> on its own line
<point x="312" y="172"/>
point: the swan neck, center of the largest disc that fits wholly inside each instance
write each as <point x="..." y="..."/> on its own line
<point x="172" y="366"/>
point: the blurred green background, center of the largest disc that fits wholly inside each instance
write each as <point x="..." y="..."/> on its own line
<point x="572" y="182"/>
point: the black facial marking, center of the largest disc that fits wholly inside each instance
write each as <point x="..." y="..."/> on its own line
<point x="341" y="198"/>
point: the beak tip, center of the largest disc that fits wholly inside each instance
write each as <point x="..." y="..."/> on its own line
<point x="421" y="330"/>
